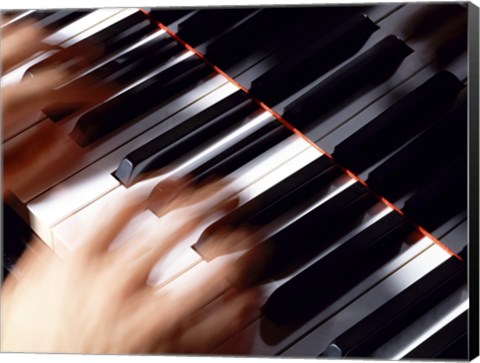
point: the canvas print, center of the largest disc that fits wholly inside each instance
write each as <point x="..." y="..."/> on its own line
<point x="254" y="181"/>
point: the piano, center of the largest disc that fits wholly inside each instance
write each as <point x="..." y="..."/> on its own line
<point x="344" y="130"/>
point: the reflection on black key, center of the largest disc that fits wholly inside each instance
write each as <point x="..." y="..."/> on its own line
<point x="401" y="122"/>
<point x="289" y="191"/>
<point x="369" y="68"/>
<point x="313" y="59"/>
<point x="422" y="158"/>
<point x="120" y="110"/>
<point x="167" y="147"/>
<point x="327" y="279"/>
<point x="450" y="342"/>
<point x="399" y="312"/>
<point x="139" y="61"/>
<point x="301" y="240"/>
<point x="130" y="35"/>
<point x="242" y="152"/>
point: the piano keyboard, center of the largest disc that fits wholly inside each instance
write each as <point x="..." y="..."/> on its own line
<point x="341" y="128"/>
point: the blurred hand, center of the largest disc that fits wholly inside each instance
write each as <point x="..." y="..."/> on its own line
<point x="41" y="150"/>
<point x="96" y="300"/>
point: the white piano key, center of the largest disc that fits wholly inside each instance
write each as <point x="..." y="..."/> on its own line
<point x="292" y="154"/>
<point x="67" y="235"/>
<point x="96" y="180"/>
<point x="200" y="272"/>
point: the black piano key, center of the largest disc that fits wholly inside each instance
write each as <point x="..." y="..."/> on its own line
<point x="288" y="191"/>
<point x="329" y="277"/>
<point x="168" y="16"/>
<point x="241" y="40"/>
<point x="301" y="240"/>
<point x="245" y="150"/>
<point x="117" y="35"/>
<point x="167" y="147"/>
<point x="450" y="342"/>
<point x="108" y="39"/>
<point x="211" y="21"/>
<point x="133" y="64"/>
<point x="291" y="203"/>
<point x="16" y="235"/>
<point x="401" y="122"/>
<point x="369" y="68"/>
<point x="420" y="159"/>
<point x="399" y="312"/>
<point x="122" y="109"/>
<point x="313" y="59"/>
<point x="441" y="198"/>
<point x="122" y="70"/>
<point x="265" y="30"/>
<point x="129" y="35"/>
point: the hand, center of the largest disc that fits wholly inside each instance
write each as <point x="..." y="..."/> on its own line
<point x="46" y="148"/>
<point x="96" y="300"/>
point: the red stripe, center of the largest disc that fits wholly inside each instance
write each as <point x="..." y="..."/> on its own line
<point x="297" y="132"/>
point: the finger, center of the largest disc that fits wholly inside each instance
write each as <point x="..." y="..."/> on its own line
<point x="191" y="194"/>
<point x="115" y="217"/>
<point x="20" y="43"/>
<point x="218" y="321"/>
<point x="19" y="101"/>
<point x="182" y="298"/>
<point x="42" y="92"/>
<point x="38" y="155"/>
<point x="221" y="243"/>
<point x="164" y="194"/>
<point x="72" y="97"/>
<point x="155" y="247"/>
<point x="30" y="263"/>
<point x="154" y="244"/>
